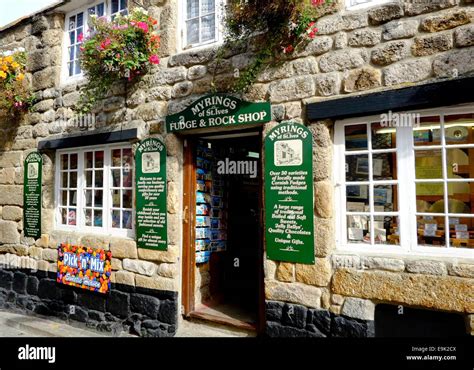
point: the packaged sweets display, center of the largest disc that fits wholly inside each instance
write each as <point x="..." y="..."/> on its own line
<point x="202" y="209"/>
<point x="211" y="214"/>
<point x="203" y="221"/>
<point x="203" y="257"/>
<point x="202" y="244"/>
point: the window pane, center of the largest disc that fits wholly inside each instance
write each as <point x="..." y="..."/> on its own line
<point x="79" y="33"/>
<point x="430" y="197"/>
<point x="71" y="216"/>
<point x="115" y="178"/>
<point x="63" y="216"/>
<point x="64" y="198"/>
<point x="98" y="218"/>
<point x="64" y="177"/>
<point x="77" y="69"/>
<point x="64" y="161"/>
<point x="127" y="178"/>
<point x="357" y="229"/>
<point x="72" y="22"/>
<point x="98" y="195"/>
<point x="127" y="199"/>
<point x="431" y="231"/>
<point x="126" y="219"/>
<point x="72" y="38"/>
<point x="356" y="137"/>
<point x="115" y="5"/>
<point x="116" y="219"/>
<point x="88" y="160"/>
<point x="116" y="198"/>
<point x="99" y="179"/>
<point x="357" y="198"/>
<point x="383" y="137"/>
<point x="123" y="4"/>
<point x="384" y="166"/>
<point x="461" y="232"/>
<point x="460" y="197"/>
<point x="99" y="159"/>
<point x="386" y="197"/>
<point x="88" y="217"/>
<point x="88" y="179"/>
<point x="386" y="230"/>
<point x="427" y="132"/>
<point x="208" y="30"/>
<point x="100" y="10"/>
<point x="460" y="163"/>
<point x="127" y="157"/>
<point x="192" y="31"/>
<point x="88" y="198"/>
<point x="73" y="161"/>
<point x="116" y="158"/>
<point x="73" y="179"/>
<point x="80" y="19"/>
<point x="428" y="164"/>
<point x="192" y="8"/>
<point x="357" y="167"/>
<point x="72" y="198"/>
<point x="459" y="129"/>
<point x="207" y="6"/>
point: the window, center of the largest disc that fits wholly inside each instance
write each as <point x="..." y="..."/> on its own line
<point x="78" y="23"/>
<point x="201" y="22"/>
<point x="361" y="4"/>
<point x="94" y="190"/>
<point x="400" y="171"/>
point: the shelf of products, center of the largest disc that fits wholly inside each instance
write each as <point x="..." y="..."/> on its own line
<point x="211" y="212"/>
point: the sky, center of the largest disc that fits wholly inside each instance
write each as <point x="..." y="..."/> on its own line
<point x="14" y="9"/>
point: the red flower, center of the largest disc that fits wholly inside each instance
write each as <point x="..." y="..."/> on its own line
<point x="153" y="59"/>
<point x="288" y="49"/>
<point x="105" y="43"/>
<point x="317" y="2"/>
<point x="80" y="37"/>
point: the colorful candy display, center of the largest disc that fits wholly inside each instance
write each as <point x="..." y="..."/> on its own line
<point x="84" y="267"/>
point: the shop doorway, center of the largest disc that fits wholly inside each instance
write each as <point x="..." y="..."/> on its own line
<point x="222" y="226"/>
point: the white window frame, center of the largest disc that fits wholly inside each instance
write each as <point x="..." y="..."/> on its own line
<point x="107" y="202"/>
<point x="65" y="78"/>
<point x="219" y="27"/>
<point x="352" y="4"/>
<point x="406" y="209"/>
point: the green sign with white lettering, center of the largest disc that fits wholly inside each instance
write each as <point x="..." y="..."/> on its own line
<point x="289" y="228"/>
<point x="33" y="168"/>
<point x="218" y="110"/>
<point x="151" y="217"/>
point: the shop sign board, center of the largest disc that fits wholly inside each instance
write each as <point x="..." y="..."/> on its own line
<point x="289" y="228"/>
<point x="151" y="217"/>
<point x="84" y="267"/>
<point x="218" y="110"/>
<point x="33" y="168"/>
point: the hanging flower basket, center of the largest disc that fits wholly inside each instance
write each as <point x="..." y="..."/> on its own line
<point x="117" y="50"/>
<point x="15" y="94"/>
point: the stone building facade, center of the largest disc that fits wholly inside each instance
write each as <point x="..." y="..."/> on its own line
<point x="380" y="49"/>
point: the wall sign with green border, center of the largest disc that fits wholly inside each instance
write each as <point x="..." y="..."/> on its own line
<point x="151" y="218"/>
<point x="289" y="228"/>
<point x="33" y="168"/>
<point x="218" y="110"/>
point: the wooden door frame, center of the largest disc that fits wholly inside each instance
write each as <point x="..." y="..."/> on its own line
<point x="188" y="283"/>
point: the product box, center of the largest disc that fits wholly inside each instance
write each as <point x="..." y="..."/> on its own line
<point x="202" y="244"/>
<point x="202" y="210"/>
<point x="203" y="257"/>
<point x="203" y="233"/>
<point x="203" y="221"/>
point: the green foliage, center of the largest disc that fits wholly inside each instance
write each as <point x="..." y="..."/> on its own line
<point x="279" y="28"/>
<point x="118" y="50"/>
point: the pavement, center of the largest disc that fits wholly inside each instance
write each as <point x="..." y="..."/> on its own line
<point x="13" y="324"/>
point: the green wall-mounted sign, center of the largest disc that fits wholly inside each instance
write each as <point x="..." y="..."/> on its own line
<point x="151" y="219"/>
<point x="218" y="110"/>
<point x="289" y="228"/>
<point x="33" y="169"/>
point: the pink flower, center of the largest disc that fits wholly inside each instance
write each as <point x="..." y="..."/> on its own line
<point x="104" y="44"/>
<point x="154" y="59"/>
<point x="80" y="37"/>
<point x="317" y="2"/>
<point x="288" y="49"/>
<point x="143" y="26"/>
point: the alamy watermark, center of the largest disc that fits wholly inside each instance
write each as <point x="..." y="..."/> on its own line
<point x="83" y="122"/>
<point x="394" y="120"/>
<point x="232" y="167"/>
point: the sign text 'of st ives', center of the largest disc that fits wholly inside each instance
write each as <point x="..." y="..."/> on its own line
<point x="218" y="110"/>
